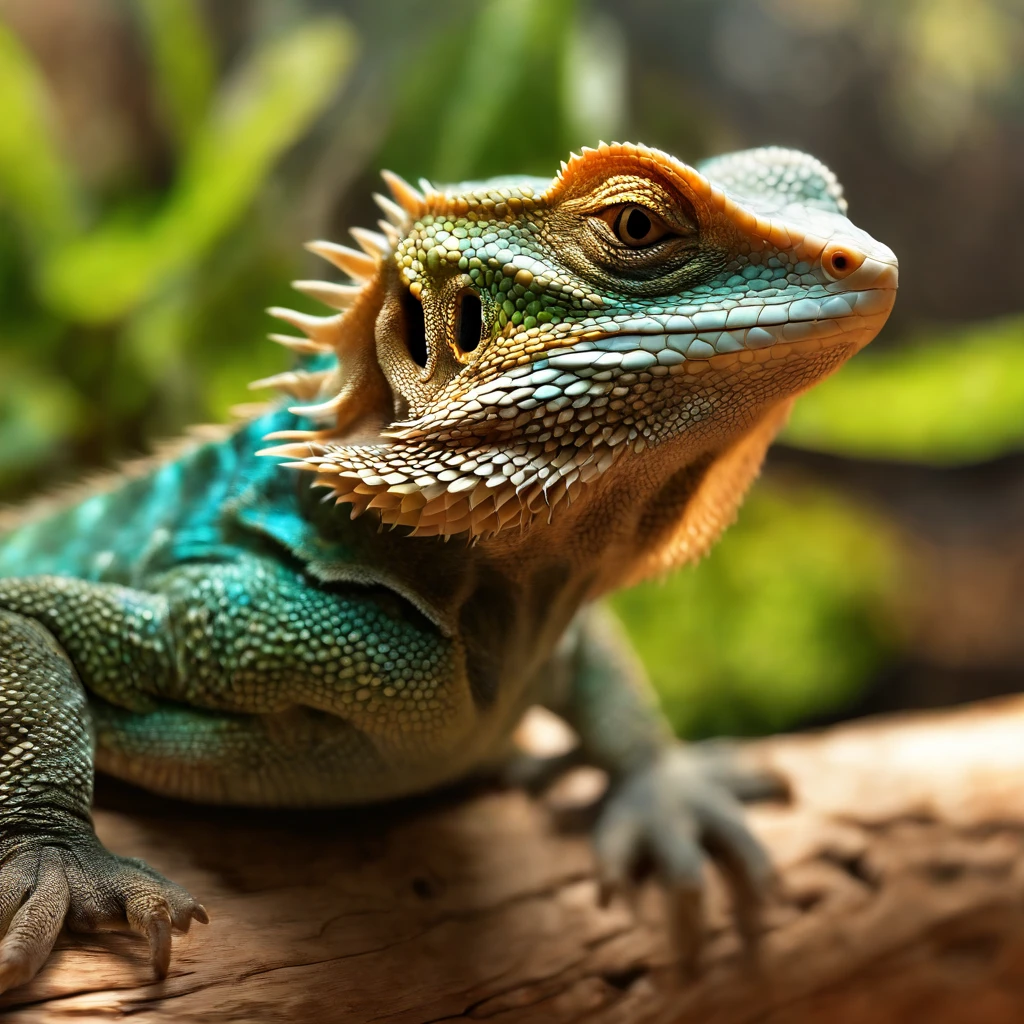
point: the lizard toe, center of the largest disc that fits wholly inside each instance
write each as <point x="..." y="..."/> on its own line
<point x="731" y="766"/>
<point x="81" y="884"/>
<point x="110" y="893"/>
<point x="671" y="816"/>
<point x="618" y="845"/>
<point x="149" y="915"/>
<point x="34" y="899"/>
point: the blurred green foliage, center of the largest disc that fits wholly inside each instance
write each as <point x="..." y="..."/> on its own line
<point x="131" y="308"/>
<point x="531" y="112"/>
<point x="957" y="396"/>
<point x="36" y="186"/>
<point x="105" y="274"/>
<point x="183" y="62"/>
<point x="110" y="290"/>
<point x="784" y="619"/>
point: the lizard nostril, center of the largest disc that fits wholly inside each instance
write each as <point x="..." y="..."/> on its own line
<point x="468" y="320"/>
<point x="415" y="328"/>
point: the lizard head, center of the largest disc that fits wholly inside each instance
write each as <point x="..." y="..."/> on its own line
<point x="517" y="343"/>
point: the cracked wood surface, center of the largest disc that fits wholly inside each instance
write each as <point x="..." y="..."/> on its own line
<point x="902" y="899"/>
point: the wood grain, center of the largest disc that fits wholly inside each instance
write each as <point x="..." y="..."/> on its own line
<point x="901" y="899"/>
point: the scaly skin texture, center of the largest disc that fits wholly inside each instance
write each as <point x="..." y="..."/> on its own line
<point x="533" y="393"/>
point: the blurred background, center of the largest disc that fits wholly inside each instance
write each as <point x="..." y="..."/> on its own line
<point x="161" y="162"/>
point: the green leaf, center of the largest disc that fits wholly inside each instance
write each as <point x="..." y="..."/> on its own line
<point x="263" y="111"/>
<point x="487" y="96"/>
<point x="183" y="61"/>
<point x="34" y="181"/>
<point x="473" y="106"/>
<point x="957" y="398"/>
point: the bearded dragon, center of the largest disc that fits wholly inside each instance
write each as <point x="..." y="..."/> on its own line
<point x="532" y="393"/>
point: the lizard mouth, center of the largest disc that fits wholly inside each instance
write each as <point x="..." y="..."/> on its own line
<point x="624" y="352"/>
<point x="850" y="312"/>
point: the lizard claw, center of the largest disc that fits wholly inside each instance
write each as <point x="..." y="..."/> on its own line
<point x="724" y="762"/>
<point x="671" y="815"/>
<point x="44" y="886"/>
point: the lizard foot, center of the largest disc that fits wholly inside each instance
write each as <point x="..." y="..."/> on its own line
<point x="670" y="815"/>
<point x="44" y="886"/>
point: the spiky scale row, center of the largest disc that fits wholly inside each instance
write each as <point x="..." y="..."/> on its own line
<point x="337" y="296"/>
<point x="373" y="243"/>
<point x="396" y="216"/>
<point x="334" y="334"/>
<point x="408" y="198"/>
<point x="295" y="383"/>
<point x="319" y="329"/>
<point x="360" y="266"/>
<point x="300" y="346"/>
<point x="391" y="234"/>
<point x="443" y="492"/>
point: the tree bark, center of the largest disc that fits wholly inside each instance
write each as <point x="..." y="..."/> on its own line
<point x="901" y="900"/>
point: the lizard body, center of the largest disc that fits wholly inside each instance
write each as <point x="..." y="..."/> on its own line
<point x="534" y="393"/>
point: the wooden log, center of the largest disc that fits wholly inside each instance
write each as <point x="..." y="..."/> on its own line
<point x="901" y="900"/>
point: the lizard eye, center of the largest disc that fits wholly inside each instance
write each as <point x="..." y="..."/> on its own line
<point x="634" y="226"/>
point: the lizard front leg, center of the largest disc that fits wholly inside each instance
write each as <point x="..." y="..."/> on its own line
<point x="53" y="869"/>
<point x="242" y="683"/>
<point x="669" y="804"/>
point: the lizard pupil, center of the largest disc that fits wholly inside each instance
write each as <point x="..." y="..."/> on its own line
<point x="638" y="224"/>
